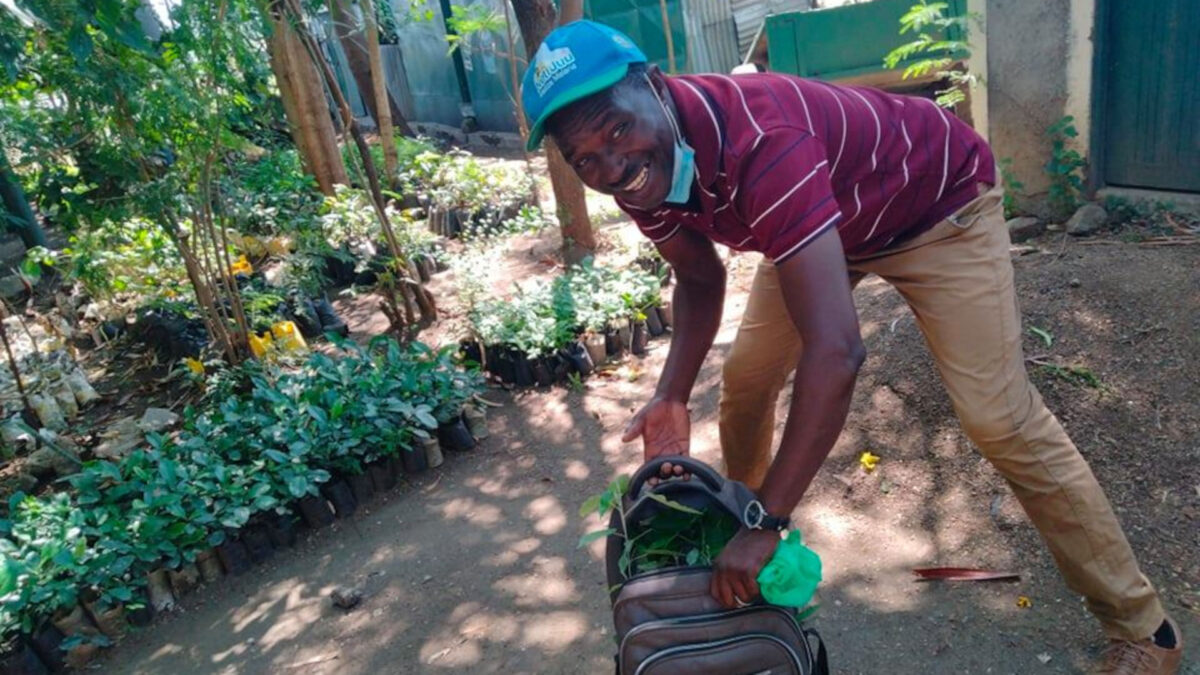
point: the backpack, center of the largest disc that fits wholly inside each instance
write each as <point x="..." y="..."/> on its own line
<point x="666" y="620"/>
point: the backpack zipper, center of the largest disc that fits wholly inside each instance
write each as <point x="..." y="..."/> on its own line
<point x="701" y="618"/>
<point x="697" y="646"/>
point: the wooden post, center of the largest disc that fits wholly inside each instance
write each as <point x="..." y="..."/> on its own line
<point x="666" y="19"/>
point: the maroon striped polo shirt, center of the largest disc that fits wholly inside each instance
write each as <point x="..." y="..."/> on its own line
<point x="781" y="159"/>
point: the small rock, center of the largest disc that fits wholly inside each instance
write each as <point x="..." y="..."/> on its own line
<point x="1025" y="227"/>
<point x="1087" y="219"/>
<point x="1075" y="282"/>
<point x="45" y="464"/>
<point x="157" y="419"/>
<point x="11" y="287"/>
<point x="119" y="439"/>
<point x="1044" y="658"/>
<point x="346" y="598"/>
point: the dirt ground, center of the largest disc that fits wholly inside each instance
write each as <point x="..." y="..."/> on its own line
<point x="474" y="567"/>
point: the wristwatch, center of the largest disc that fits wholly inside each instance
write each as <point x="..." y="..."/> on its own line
<point x="755" y="517"/>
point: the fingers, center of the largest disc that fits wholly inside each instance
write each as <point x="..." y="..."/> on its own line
<point x="635" y="429"/>
<point x="721" y="590"/>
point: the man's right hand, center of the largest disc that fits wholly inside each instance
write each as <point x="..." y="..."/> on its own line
<point x="665" y="429"/>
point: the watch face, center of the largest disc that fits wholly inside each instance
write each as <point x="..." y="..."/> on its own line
<point x="753" y="515"/>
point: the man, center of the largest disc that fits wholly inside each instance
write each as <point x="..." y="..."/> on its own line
<point x="831" y="184"/>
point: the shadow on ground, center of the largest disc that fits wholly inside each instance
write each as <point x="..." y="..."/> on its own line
<point x="474" y="568"/>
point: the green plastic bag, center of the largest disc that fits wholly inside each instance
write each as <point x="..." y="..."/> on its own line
<point x="790" y="578"/>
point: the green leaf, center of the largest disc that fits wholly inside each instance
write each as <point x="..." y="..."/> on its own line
<point x="1045" y="335"/>
<point x="594" y="535"/>
<point x="589" y="506"/>
<point x="674" y="505"/>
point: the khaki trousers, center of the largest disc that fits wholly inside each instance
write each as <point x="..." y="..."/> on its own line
<point x="958" y="280"/>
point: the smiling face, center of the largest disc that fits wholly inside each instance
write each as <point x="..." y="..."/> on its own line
<point x="619" y="140"/>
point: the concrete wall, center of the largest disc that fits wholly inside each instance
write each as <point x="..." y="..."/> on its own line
<point x="1039" y="68"/>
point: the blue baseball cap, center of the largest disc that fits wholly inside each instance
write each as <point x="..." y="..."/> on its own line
<point x="573" y="62"/>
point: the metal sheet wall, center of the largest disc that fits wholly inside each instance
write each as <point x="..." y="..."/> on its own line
<point x="712" y="36"/>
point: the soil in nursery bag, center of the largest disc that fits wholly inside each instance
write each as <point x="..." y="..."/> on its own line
<point x="455" y="436"/>
<point x="504" y="366"/>
<point x="184" y="580"/>
<point x="596" y="348"/>
<point x="283" y="530"/>
<point x="523" y="373"/>
<point x="315" y="511"/>
<point x="158" y="588"/>
<point x="362" y="486"/>
<point x="383" y="474"/>
<point x="640" y="338"/>
<point x="112" y="621"/>
<point x="612" y="343"/>
<point x="476" y="420"/>
<point x="561" y="367"/>
<point x="234" y="557"/>
<point x="470" y="351"/>
<point x="338" y="493"/>
<point x="414" y="459"/>
<point x="433" y="452"/>
<point x="138" y="611"/>
<point x="209" y="566"/>
<point x="18" y="658"/>
<point x="47" y="643"/>
<point x="580" y="358"/>
<point x="258" y="543"/>
<point x="328" y="319"/>
<point x="654" y="322"/>
<point x="541" y="372"/>
<point x="77" y="624"/>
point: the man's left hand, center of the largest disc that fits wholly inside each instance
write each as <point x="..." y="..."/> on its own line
<point x="735" y="579"/>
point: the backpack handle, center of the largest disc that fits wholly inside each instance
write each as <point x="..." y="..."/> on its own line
<point x="693" y="466"/>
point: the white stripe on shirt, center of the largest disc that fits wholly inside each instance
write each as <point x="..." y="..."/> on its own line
<point x="945" y="152"/>
<point x="803" y="103"/>
<point x="903" y="164"/>
<point x="654" y="226"/>
<point x="974" y="168"/>
<point x="845" y="133"/>
<point x="787" y="194"/>
<point x="711" y="116"/>
<point x="745" y="106"/>
<point x="878" y="129"/>
<point x="668" y="235"/>
<point x="813" y="235"/>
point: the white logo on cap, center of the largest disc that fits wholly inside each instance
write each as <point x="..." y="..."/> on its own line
<point x="550" y="65"/>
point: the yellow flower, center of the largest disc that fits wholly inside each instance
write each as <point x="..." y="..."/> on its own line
<point x="868" y="461"/>
<point x="194" y="365"/>
<point x="1024" y="602"/>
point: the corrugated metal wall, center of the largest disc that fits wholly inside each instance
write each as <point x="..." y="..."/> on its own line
<point x="749" y="16"/>
<point x="712" y="36"/>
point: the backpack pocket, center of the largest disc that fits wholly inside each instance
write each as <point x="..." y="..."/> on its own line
<point x="748" y="654"/>
<point x="647" y="641"/>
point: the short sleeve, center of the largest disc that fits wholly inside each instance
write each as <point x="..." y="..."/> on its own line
<point x="655" y="226"/>
<point x="784" y="194"/>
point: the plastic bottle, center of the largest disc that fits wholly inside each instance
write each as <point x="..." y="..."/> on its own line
<point x="84" y="392"/>
<point x="48" y="412"/>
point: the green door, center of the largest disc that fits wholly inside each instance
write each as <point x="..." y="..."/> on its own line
<point x="1152" y="94"/>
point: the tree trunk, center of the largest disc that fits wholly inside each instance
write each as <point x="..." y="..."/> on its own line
<point x="379" y="91"/>
<point x="536" y="19"/>
<point x="354" y="44"/>
<point x="304" y="103"/>
<point x="19" y="216"/>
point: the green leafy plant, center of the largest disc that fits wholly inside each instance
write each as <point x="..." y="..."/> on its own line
<point x="1012" y="186"/>
<point x="677" y="535"/>
<point x="940" y="40"/>
<point x="1064" y="167"/>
